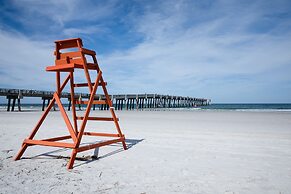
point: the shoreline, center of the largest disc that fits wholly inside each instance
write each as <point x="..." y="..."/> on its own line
<point x="251" y="107"/>
<point x="163" y="110"/>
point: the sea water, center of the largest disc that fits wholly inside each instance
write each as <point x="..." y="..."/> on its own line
<point x="213" y="107"/>
<point x="248" y="107"/>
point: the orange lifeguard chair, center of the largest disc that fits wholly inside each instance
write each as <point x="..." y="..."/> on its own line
<point x="68" y="62"/>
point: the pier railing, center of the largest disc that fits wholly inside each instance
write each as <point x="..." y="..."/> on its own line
<point x="120" y="101"/>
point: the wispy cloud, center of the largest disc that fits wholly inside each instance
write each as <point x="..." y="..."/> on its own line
<point x="224" y="50"/>
<point x="189" y="56"/>
<point x="76" y="32"/>
<point x="23" y="62"/>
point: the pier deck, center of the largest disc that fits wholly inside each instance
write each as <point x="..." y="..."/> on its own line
<point x="120" y="101"/>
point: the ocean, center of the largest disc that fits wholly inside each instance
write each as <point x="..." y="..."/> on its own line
<point x="214" y="107"/>
<point x="248" y="107"/>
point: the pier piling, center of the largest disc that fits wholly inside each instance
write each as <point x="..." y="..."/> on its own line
<point x="127" y="101"/>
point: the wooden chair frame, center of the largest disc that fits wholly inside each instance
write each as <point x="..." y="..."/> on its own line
<point x="67" y="63"/>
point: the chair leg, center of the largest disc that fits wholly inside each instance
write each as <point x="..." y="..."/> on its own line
<point x="21" y="151"/>
<point x="72" y="159"/>
<point x="124" y="145"/>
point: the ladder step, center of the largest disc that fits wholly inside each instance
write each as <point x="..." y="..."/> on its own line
<point x="94" y="102"/>
<point x="98" y="118"/>
<point x="82" y="84"/>
<point x="88" y="52"/>
<point x="102" y="134"/>
<point x="86" y="84"/>
<point x="90" y="66"/>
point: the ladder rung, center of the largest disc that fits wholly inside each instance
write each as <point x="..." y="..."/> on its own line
<point x="82" y="84"/>
<point x="90" y="66"/>
<point x="102" y="134"/>
<point x="86" y="84"/>
<point x="94" y="102"/>
<point x="98" y="118"/>
<point x="88" y="52"/>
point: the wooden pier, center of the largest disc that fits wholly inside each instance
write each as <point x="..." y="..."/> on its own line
<point x="120" y="101"/>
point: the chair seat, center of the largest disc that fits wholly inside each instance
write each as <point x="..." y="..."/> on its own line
<point x="70" y="67"/>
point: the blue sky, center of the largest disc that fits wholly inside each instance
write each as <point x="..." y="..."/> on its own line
<point x="228" y="51"/>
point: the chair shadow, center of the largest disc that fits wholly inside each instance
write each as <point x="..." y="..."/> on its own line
<point x="87" y="159"/>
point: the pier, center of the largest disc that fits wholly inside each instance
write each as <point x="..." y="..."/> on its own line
<point x="120" y="101"/>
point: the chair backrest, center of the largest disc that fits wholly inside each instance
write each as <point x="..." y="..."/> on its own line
<point x="70" y="56"/>
<point x="69" y="43"/>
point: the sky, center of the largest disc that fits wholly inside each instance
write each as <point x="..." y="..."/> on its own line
<point x="227" y="51"/>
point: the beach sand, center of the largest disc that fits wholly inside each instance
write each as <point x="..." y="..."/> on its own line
<point x="170" y="152"/>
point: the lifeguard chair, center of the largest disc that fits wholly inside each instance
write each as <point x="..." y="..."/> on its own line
<point x="68" y="62"/>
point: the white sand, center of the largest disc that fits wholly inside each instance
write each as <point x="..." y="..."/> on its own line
<point x="174" y="152"/>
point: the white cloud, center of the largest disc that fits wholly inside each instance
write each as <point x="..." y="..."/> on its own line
<point x="88" y="30"/>
<point x="23" y="62"/>
<point x="178" y="59"/>
<point x="65" y="10"/>
<point x="221" y="50"/>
